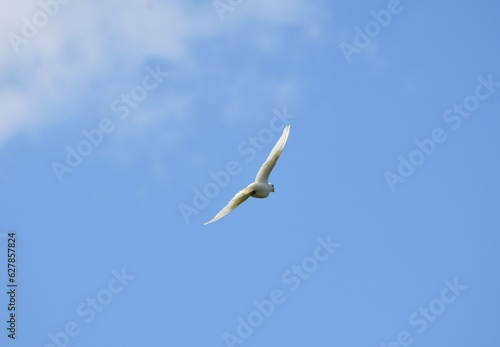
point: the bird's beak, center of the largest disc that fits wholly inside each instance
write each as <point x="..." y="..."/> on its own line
<point x="272" y="189"/>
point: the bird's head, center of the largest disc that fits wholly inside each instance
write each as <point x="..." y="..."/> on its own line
<point x="272" y="187"/>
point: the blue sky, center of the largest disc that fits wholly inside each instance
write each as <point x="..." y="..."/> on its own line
<point x="384" y="227"/>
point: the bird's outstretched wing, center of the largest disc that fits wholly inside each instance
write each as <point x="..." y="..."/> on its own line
<point x="267" y="167"/>
<point x="238" y="199"/>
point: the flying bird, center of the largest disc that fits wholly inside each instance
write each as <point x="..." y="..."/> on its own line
<point x="261" y="187"/>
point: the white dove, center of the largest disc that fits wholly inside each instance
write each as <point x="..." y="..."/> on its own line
<point x="261" y="187"/>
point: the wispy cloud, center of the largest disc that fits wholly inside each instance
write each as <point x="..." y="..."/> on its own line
<point x="97" y="47"/>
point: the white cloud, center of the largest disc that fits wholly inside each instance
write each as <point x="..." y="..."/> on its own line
<point x="95" y="46"/>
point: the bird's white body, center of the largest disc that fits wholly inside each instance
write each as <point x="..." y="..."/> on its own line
<point x="261" y="188"/>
